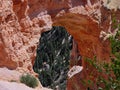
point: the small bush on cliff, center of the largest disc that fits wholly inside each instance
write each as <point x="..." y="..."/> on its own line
<point x="29" y="80"/>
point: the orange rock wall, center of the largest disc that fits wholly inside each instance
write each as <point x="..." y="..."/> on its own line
<point x="86" y="33"/>
<point x="51" y="6"/>
<point x="20" y="30"/>
<point x="19" y="35"/>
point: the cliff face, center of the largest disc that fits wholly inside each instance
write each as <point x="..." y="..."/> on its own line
<point x="22" y="21"/>
<point x="51" y="6"/>
<point x="89" y="22"/>
<point x="18" y="35"/>
<point x="86" y="33"/>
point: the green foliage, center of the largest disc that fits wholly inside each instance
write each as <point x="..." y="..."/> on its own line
<point x="108" y="77"/>
<point x="13" y="81"/>
<point x="29" y="80"/>
<point x="52" y="60"/>
<point x="115" y="45"/>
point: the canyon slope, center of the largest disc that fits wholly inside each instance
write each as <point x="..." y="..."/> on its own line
<point x="23" y="21"/>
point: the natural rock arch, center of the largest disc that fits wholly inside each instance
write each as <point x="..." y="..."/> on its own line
<point x="86" y="33"/>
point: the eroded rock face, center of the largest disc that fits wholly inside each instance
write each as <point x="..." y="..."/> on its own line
<point x="21" y="8"/>
<point x="86" y="34"/>
<point x="85" y="23"/>
<point x="51" y="6"/>
<point x="19" y="35"/>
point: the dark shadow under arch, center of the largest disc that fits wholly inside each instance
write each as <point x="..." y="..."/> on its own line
<point x="53" y="57"/>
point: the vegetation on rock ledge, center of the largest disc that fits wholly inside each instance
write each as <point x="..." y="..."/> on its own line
<point x="29" y="80"/>
<point x="108" y="73"/>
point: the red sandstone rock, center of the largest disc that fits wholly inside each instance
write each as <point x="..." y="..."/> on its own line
<point x="52" y="6"/>
<point x="85" y="26"/>
<point x="86" y="33"/>
<point x="21" y="8"/>
<point x="19" y="35"/>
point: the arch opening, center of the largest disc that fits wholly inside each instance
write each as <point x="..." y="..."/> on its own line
<point x="56" y="52"/>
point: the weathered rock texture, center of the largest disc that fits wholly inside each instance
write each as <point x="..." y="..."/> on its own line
<point x="19" y="35"/>
<point x="86" y="34"/>
<point x="10" y="80"/>
<point x="51" y="6"/>
<point x="85" y="24"/>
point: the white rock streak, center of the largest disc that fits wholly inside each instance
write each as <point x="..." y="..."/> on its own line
<point x="8" y="75"/>
<point x="48" y="21"/>
<point x="74" y="70"/>
<point x="112" y="4"/>
<point x="91" y="10"/>
<point x="4" y="85"/>
<point x="110" y="33"/>
<point x="106" y="35"/>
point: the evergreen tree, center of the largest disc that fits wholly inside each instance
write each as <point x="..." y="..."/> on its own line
<point x="52" y="60"/>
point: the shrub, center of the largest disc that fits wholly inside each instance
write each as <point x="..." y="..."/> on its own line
<point x="13" y="80"/>
<point x="29" y="80"/>
<point x="108" y="77"/>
